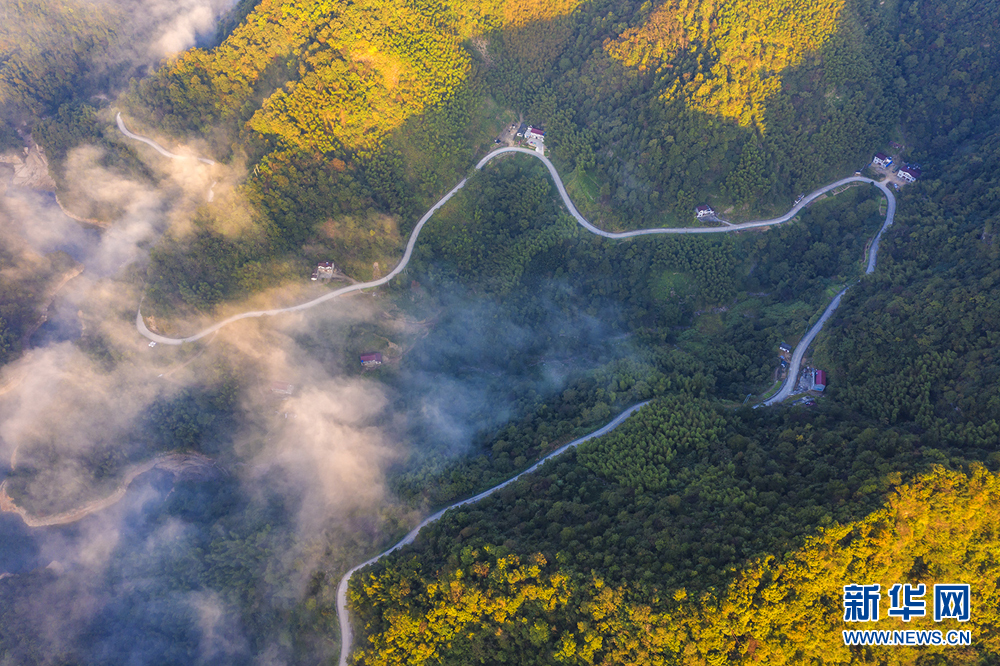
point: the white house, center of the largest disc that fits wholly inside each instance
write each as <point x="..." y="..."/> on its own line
<point x="908" y="173"/>
<point x="324" y="271"/>
<point x="703" y="211"/>
<point x="882" y="160"/>
<point x="534" y="133"/>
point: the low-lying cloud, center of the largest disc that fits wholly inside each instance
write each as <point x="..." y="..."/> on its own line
<point x="164" y="27"/>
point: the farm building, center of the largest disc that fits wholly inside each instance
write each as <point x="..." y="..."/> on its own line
<point x="282" y="388"/>
<point x="819" y="380"/>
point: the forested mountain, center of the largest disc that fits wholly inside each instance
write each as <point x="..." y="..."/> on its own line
<point x="916" y="343"/>
<point x="684" y="536"/>
<point x="44" y="51"/>
<point x="487" y="604"/>
<point x="648" y="109"/>
<point x="698" y="532"/>
<point x="543" y="567"/>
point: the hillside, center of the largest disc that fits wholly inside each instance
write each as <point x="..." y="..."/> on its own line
<point x="701" y="531"/>
<point x="490" y="604"/>
<point x="45" y="48"/>
<point x="353" y="126"/>
<point x="696" y="534"/>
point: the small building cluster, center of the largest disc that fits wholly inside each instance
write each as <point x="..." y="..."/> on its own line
<point x="371" y="359"/>
<point x="703" y="211"/>
<point x="535" y="136"/>
<point x="324" y="271"/>
<point x="908" y="173"/>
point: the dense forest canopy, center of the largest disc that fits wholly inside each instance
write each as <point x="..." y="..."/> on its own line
<point x="660" y="547"/>
<point x="648" y="109"/>
<point x="44" y="48"/>
<point x="700" y="531"/>
<point x="491" y="605"/>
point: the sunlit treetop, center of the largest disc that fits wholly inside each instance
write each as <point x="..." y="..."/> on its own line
<point x="742" y="48"/>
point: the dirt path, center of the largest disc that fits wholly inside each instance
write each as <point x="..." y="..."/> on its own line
<point x="67" y="276"/>
<point x="176" y="463"/>
<point x="82" y="220"/>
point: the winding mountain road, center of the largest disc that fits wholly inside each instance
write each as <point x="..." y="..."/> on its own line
<point x="346" y="633"/>
<point x="415" y="234"/>
<point x="157" y="147"/>
<point x="782" y="394"/>
<point x="800" y="349"/>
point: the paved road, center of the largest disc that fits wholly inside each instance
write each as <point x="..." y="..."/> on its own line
<point x="800" y="349"/>
<point x="141" y="325"/>
<point x="812" y="196"/>
<point x="346" y="634"/>
<point x="890" y="213"/>
<point x="160" y="149"/>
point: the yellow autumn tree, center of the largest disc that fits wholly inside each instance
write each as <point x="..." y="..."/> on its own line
<point x="941" y="528"/>
<point x="744" y="44"/>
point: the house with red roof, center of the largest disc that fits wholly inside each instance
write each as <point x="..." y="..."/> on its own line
<point x="371" y="359"/>
<point x="819" y="380"/>
<point x="282" y="388"/>
<point x="323" y="271"/>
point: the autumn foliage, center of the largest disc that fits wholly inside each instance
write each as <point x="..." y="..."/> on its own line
<point x="743" y="47"/>
<point x="363" y="68"/>
<point x="941" y="528"/>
